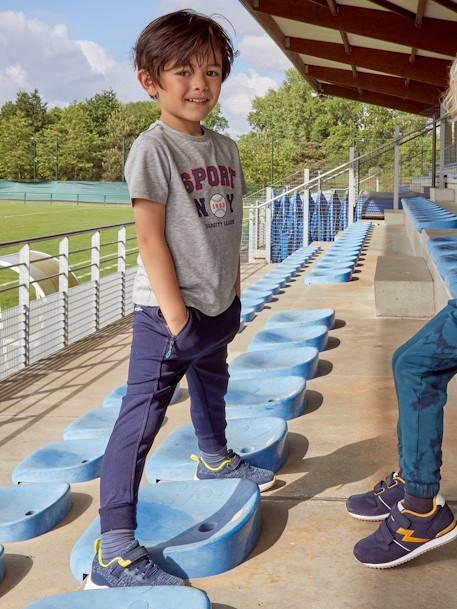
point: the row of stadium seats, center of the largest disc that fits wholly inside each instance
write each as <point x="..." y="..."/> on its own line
<point x="443" y="251"/>
<point x="78" y="458"/>
<point x="427" y="215"/>
<point x="338" y="264"/>
<point x="253" y="299"/>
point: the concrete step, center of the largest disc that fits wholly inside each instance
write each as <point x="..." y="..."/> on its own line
<point x="403" y="287"/>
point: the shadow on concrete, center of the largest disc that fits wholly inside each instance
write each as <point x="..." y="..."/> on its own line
<point x="80" y="502"/>
<point x="355" y="278"/>
<point x="98" y="347"/>
<point x="345" y="465"/>
<point x="314" y="400"/>
<point x="332" y="343"/>
<point x="219" y="606"/>
<point x="17" y="566"/>
<point x="338" y="323"/>
<point x="324" y="367"/>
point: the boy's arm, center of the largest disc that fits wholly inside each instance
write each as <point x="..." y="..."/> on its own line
<point x="238" y="280"/>
<point x="158" y="262"/>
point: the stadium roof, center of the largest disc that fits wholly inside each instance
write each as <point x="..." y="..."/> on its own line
<point x="393" y="54"/>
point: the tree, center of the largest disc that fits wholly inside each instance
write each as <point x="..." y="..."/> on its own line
<point x="78" y="146"/>
<point x="15" y="148"/>
<point x="216" y="120"/>
<point x="99" y="109"/>
<point x="124" y="125"/>
<point x="31" y="107"/>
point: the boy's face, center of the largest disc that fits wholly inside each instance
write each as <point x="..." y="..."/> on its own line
<point x="187" y="94"/>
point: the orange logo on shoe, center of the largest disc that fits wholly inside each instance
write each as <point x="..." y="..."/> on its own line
<point x="408" y="535"/>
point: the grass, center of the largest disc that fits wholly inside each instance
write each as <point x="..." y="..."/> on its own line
<point x="19" y="221"/>
<point x="22" y="221"/>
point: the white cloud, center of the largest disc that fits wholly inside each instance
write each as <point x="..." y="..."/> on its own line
<point x="263" y="52"/>
<point x="34" y="54"/>
<point x="237" y="96"/>
<point x="96" y="56"/>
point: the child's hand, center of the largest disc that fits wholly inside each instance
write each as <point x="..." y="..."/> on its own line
<point x="177" y="325"/>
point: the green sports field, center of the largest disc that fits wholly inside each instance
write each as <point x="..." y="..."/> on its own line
<point x="37" y="219"/>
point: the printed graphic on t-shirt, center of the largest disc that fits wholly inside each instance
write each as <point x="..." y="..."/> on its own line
<point x="218" y="204"/>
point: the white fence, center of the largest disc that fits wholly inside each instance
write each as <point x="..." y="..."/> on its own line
<point x="35" y="329"/>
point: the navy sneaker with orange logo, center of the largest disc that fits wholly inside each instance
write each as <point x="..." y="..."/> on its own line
<point x="377" y="503"/>
<point x="405" y="535"/>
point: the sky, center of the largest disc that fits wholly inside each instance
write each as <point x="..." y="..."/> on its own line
<point x="72" y="50"/>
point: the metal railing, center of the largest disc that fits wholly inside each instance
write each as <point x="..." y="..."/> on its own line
<point x="66" y="308"/>
<point x="92" y="288"/>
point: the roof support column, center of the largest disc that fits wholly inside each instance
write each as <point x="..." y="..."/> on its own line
<point x="434" y="153"/>
<point x="352" y="185"/>
<point x="306" y="207"/>
<point x="442" y="147"/>
<point x="397" y="167"/>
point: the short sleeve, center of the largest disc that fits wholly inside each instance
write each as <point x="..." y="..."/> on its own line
<point x="147" y="171"/>
<point x="244" y="188"/>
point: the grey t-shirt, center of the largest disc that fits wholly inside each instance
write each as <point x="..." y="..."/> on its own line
<point x="200" y="180"/>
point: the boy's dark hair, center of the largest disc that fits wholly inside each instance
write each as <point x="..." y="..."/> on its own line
<point x="178" y="37"/>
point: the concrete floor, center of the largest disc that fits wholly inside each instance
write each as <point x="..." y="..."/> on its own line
<point x="344" y="444"/>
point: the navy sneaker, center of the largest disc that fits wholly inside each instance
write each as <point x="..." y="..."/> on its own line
<point x="234" y="467"/>
<point x="376" y="504"/>
<point x="133" y="568"/>
<point x="404" y="535"/>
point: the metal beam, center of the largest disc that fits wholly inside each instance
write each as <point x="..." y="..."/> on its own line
<point x="378" y="83"/>
<point x="436" y="35"/>
<point x="426" y="69"/>
<point x="378" y="99"/>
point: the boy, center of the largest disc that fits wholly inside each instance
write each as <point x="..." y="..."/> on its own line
<point x="186" y="186"/>
<point x="416" y="517"/>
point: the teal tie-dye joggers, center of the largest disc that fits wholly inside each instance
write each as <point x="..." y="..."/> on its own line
<point x="422" y="368"/>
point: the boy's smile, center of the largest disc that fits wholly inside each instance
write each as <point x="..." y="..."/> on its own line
<point x="187" y="94"/>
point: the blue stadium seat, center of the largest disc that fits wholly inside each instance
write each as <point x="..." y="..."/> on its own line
<point x="29" y="510"/>
<point x="191" y="529"/>
<point x="247" y="314"/>
<point x="260" y="442"/>
<point x="302" y="318"/>
<point x="340" y="275"/>
<point x="68" y="461"/>
<point x="115" y="397"/>
<point x="94" y="424"/>
<point x="262" y="292"/>
<point x="428" y="215"/>
<point x="142" y="597"/>
<point x="248" y="302"/>
<point x="299" y="361"/>
<point x="270" y="284"/>
<point x="258" y="397"/>
<point x="302" y="336"/>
